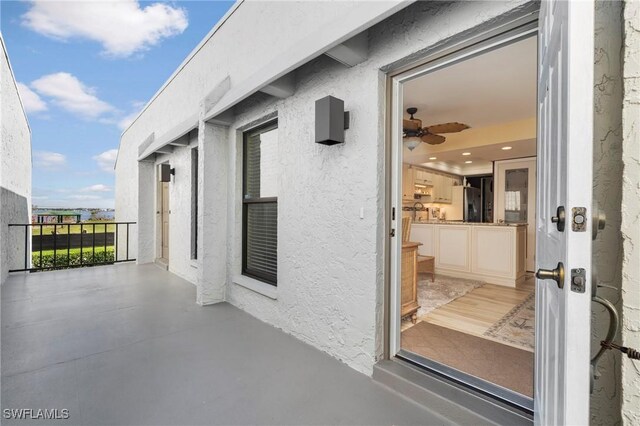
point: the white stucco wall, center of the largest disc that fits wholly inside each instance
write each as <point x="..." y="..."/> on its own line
<point x="180" y="261"/>
<point x="631" y="212"/>
<point x="15" y="169"/>
<point x="607" y="193"/>
<point x="330" y="261"/>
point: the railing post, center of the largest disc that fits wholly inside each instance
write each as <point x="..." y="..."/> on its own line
<point x="41" y="245"/>
<point x="55" y="245"/>
<point x="115" y="247"/>
<point x="68" y="244"/>
<point x="93" y="244"/>
<point x="26" y="245"/>
<point x="127" y="240"/>
<point x="105" y="242"/>
<point x="81" y="243"/>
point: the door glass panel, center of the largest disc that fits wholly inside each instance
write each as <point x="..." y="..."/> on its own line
<point x="516" y="182"/>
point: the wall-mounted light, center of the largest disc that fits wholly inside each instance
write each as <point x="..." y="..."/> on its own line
<point x="331" y="120"/>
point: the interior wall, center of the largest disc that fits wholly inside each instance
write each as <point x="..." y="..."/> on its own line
<point x="631" y="211"/>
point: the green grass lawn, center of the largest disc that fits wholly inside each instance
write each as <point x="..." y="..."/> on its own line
<point x="74" y="228"/>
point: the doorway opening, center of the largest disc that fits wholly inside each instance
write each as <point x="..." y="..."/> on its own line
<point x="466" y="175"/>
<point x="163" y="211"/>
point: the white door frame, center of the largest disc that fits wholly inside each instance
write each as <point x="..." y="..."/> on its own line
<point x="491" y="41"/>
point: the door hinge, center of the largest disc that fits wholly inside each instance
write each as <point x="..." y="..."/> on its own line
<point x="392" y="233"/>
<point x="393" y="213"/>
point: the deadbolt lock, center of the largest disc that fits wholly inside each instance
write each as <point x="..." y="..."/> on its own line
<point x="579" y="221"/>
<point x="556" y="274"/>
<point x="559" y="218"/>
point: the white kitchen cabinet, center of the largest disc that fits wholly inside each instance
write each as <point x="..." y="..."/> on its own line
<point x="408" y="188"/>
<point x="424" y="234"/>
<point x="491" y="253"/>
<point x="452" y="247"/>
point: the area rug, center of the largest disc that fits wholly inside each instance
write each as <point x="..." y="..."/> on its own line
<point x="501" y="364"/>
<point x="443" y="290"/>
<point x="517" y="327"/>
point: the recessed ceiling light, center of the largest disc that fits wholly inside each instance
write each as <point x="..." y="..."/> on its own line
<point x="466" y="153"/>
<point x="506" y="148"/>
<point x="468" y="162"/>
<point x="433" y="158"/>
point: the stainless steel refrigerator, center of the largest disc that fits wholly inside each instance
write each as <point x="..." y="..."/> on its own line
<point x="466" y="204"/>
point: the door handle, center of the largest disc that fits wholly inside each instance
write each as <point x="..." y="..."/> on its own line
<point x="556" y="274"/>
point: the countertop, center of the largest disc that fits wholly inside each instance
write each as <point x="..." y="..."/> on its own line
<point x="458" y="222"/>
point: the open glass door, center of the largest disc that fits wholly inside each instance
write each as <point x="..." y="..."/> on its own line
<point x="565" y="117"/>
<point x="564" y="175"/>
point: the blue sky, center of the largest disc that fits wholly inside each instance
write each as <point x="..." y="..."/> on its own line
<point x="84" y="70"/>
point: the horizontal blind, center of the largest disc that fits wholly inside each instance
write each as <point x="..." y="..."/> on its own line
<point x="262" y="239"/>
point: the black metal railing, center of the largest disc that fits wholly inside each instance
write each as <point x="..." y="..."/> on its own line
<point x="80" y="246"/>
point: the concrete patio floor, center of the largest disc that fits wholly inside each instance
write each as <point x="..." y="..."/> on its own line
<point x="127" y="345"/>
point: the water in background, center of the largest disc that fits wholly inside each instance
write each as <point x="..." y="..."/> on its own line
<point x="84" y="214"/>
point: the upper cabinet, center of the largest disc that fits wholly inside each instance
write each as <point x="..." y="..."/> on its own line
<point x="408" y="188"/>
<point x="441" y="185"/>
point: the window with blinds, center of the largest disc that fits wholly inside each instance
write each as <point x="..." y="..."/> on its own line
<point x="260" y="204"/>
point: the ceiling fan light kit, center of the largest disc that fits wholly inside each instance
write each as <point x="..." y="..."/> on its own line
<point x="414" y="133"/>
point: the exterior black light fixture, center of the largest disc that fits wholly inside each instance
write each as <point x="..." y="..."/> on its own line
<point x="331" y="120"/>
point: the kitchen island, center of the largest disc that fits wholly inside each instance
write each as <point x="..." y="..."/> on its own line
<point x="491" y="252"/>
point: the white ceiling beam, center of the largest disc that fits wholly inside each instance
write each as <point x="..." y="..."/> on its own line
<point x="351" y="52"/>
<point x="282" y="87"/>
<point x="167" y="149"/>
<point x="181" y="141"/>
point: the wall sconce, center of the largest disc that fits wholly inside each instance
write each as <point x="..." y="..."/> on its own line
<point x="331" y="120"/>
<point x="165" y="172"/>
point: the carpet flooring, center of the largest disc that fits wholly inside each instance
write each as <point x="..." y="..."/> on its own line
<point x="503" y="365"/>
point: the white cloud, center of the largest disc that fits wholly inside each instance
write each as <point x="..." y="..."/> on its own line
<point x="30" y="99"/>
<point x="107" y="160"/>
<point x="96" y="188"/>
<point x="122" y="27"/>
<point x="49" y="160"/>
<point x="71" y="94"/>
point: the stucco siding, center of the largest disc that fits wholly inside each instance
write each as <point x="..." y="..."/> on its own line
<point x="607" y="194"/>
<point x="15" y="170"/>
<point x="330" y="259"/>
<point x="631" y="212"/>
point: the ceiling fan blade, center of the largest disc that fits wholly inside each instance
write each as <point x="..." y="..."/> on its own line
<point x="433" y="139"/>
<point x="447" y="128"/>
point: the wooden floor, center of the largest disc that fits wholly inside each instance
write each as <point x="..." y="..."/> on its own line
<point x="479" y="309"/>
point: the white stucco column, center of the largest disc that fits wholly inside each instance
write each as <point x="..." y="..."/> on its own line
<point x="142" y="247"/>
<point x="212" y="213"/>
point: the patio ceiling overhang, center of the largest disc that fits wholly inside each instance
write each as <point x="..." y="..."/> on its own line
<point x="341" y="39"/>
<point x="331" y="39"/>
<point x="176" y="136"/>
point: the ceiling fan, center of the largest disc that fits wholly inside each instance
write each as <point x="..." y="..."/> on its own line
<point x="414" y="133"/>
